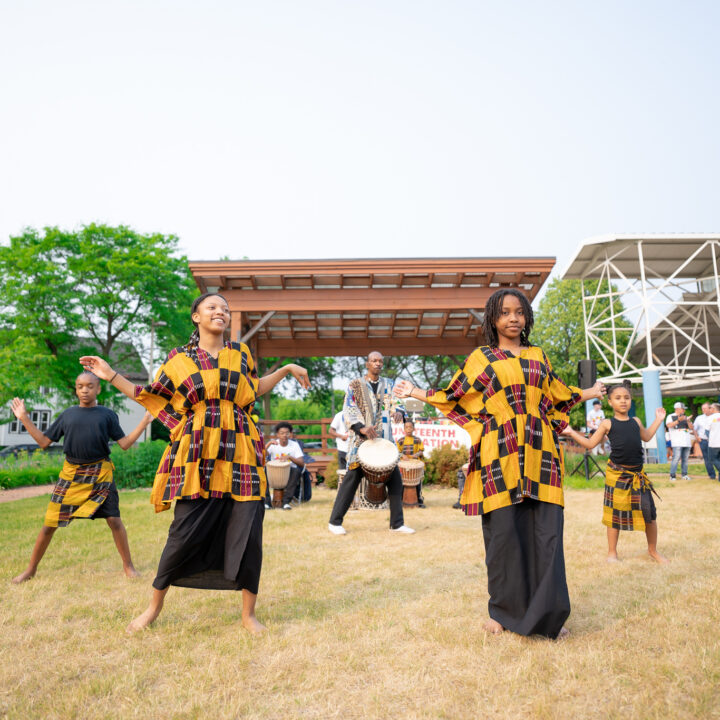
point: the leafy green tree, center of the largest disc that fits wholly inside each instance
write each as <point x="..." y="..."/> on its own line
<point x="96" y="290"/>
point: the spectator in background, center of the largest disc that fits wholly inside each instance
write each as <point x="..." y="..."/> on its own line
<point x="339" y="432"/>
<point x="714" y="439"/>
<point x="412" y="447"/>
<point x="305" y="484"/>
<point x="681" y="438"/>
<point x="702" y="430"/>
<point x="593" y="420"/>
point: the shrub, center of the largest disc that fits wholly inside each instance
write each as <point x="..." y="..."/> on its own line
<point x="443" y="464"/>
<point x="136" y="467"/>
<point x="330" y="473"/>
<point x="20" y="477"/>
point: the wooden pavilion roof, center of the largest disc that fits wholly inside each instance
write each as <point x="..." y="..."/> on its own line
<point x="418" y="306"/>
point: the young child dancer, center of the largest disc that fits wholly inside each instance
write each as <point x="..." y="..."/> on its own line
<point x="85" y="488"/>
<point x="628" y="502"/>
<point x="213" y="467"/>
<point x="513" y="405"/>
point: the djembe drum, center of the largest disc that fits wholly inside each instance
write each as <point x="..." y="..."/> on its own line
<point x="412" y="471"/>
<point x="278" y="474"/>
<point x="378" y="459"/>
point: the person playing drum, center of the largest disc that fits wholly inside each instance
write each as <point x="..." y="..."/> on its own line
<point x="366" y="408"/>
<point x="283" y="448"/>
<point x="412" y="447"/>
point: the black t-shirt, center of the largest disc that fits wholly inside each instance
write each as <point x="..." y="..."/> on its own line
<point x="625" y="443"/>
<point x="87" y="432"/>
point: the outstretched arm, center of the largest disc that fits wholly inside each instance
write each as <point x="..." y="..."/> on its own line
<point x="130" y="439"/>
<point x="648" y="434"/>
<point x="405" y="389"/>
<point x="269" y="381"/>
<point x="594" y="440"/>
<point x="598" y="390"/>
<point x="19" y="411"/>
<point x="97" y="366"/>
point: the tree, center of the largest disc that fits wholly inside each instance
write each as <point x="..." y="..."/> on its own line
<point x="97" y="291"/>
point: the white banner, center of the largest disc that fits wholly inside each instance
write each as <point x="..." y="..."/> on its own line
<point x="435" y="434"/>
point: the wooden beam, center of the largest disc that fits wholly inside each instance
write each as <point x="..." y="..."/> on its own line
<point x="361" y="346"/>
<point x="354" y="299"/>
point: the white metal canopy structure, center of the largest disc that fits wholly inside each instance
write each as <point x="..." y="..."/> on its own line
<point x="670" y="289"/>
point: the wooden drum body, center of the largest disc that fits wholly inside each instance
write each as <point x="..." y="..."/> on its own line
<point x="412" y="471"/>
<point x="378" y="459"/>
<point x="278" y="474"/>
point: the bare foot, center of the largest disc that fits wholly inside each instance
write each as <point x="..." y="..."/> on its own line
<point x="654" y="554"/>
<point x="612" y="557"/>
<point x="564" y="632"/>
<point x="493" y="627"/>
<point x="131" y="572"/>
<point x="143" y="620"/>
<point x="253" y="625"/>
<point x="23" y="577"/>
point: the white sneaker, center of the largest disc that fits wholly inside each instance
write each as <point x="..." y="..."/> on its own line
<point x="403" y="529"/>
<point x="686" y="477"/>
<point x="286" y="506"/>
<point x="336" y="529"/>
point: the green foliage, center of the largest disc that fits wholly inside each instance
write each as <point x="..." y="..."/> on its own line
<point x="137" y="466"/>
<point x="330" y="474"/>
<point x="96" y="291"/>
<point x="443" y="464"/>
<point x="35" y="468"/>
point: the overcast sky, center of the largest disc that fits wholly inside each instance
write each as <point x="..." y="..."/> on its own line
<point x="361" y="129"/>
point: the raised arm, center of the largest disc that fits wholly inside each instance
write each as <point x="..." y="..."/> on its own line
<point x="97" y="366"/>
<point x="405" y="389"/>
<point x="269" y="381"/>
<point x="594" y="440"/>
<point x="598" y="390"/>
<point x="18" y="407"/>
<point x="131" y="438"/>
<point x="648" y="434"/>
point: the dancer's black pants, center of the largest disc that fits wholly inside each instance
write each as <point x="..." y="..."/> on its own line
<point x="349" y="486"/>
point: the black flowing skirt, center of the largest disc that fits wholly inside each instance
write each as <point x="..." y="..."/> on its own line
<point x="526" y="568"/>
<point x="213" y="544"/>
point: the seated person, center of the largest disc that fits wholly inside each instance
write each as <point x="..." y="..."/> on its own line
<point x="412" y="447"/>
<point x="305" y="484"/>
<point x="283" y="448"/>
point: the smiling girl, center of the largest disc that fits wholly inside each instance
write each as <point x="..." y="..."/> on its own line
<point x="213" y="466"/>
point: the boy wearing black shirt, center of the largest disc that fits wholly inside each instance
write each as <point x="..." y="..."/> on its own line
<point x="86" y="488"/>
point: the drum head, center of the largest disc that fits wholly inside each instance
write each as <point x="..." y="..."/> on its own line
<point x="378" y="454"/>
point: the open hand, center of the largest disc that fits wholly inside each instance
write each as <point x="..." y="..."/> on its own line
<point x="18" y="407"/>
<point x="403" y="388"/>
<point x="600" y="389"/>
<point x="660" y="413"/>
<point x="97" y="366"/>
<point x="369" y="432"/>
<point x="301" y="375"/>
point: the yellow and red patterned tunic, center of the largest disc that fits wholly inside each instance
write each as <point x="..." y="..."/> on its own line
<point x="513" y="407"/>
<point x="215" y="448"/>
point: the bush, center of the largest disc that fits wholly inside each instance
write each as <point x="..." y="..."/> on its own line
<point x="443" y="464"/>
<point x="330" y="473"/>
<point x="22" y="477"/>
<point x="136" y="467"/>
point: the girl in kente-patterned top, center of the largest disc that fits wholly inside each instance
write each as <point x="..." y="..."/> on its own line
<point x="213" y="467"/>
<point x="514" y="406"/>
<point x="628" y="502"/>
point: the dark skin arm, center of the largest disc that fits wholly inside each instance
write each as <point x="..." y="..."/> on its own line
<point x="18" y="407"/>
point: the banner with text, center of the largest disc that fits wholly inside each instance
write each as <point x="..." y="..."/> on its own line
<point x="435" y="435"/>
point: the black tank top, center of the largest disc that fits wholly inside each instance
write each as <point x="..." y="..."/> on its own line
<point x="625" y="443"/>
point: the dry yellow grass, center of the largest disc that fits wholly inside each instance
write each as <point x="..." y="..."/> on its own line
<point x="369" y="625"/>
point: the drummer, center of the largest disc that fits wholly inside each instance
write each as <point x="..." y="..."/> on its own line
<point x="366" y="408"/>
<point x="412" y="447"/>
<point x="283" y="448"/>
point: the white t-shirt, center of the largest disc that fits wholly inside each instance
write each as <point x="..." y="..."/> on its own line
<point x="338" y="425"/>
<point x="279" y="452"/>
<point x="714" y="434"/>
<point x="680" y="436"/>
<point x="702" y="426"/>
<point x="594" y="418"/>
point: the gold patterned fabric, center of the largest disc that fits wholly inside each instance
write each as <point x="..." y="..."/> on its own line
<point x="414" y="443"/>
<point x="622" y="500"/>
<point x="79" y="492"/>
<point x="215" y="448"/>
<point x="513" y="407"/>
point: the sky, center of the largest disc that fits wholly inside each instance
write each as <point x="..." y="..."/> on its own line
<point x="391" y="128"/>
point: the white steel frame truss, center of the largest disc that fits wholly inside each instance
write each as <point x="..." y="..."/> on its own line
<point x="671" y="308"/>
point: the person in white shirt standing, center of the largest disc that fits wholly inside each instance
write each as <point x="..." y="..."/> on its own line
<point x="701" y="424"/>
<point x="593" y="420"/>
<point x="286" y="449"/>
<point x="681" y="437"/>
<point x="339" y="431"/>
<point x="714" y="438"/>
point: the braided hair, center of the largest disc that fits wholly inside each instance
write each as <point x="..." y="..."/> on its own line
<point x="624" y="385"/>
<point x="493" y="308"/>
<point x="194" y="338"/>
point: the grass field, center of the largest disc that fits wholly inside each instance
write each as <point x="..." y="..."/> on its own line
<point x="369" y="625"/>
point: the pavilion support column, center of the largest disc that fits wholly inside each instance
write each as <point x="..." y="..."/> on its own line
<point x="652" y="394"/>
<point x="235" y="325"/>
